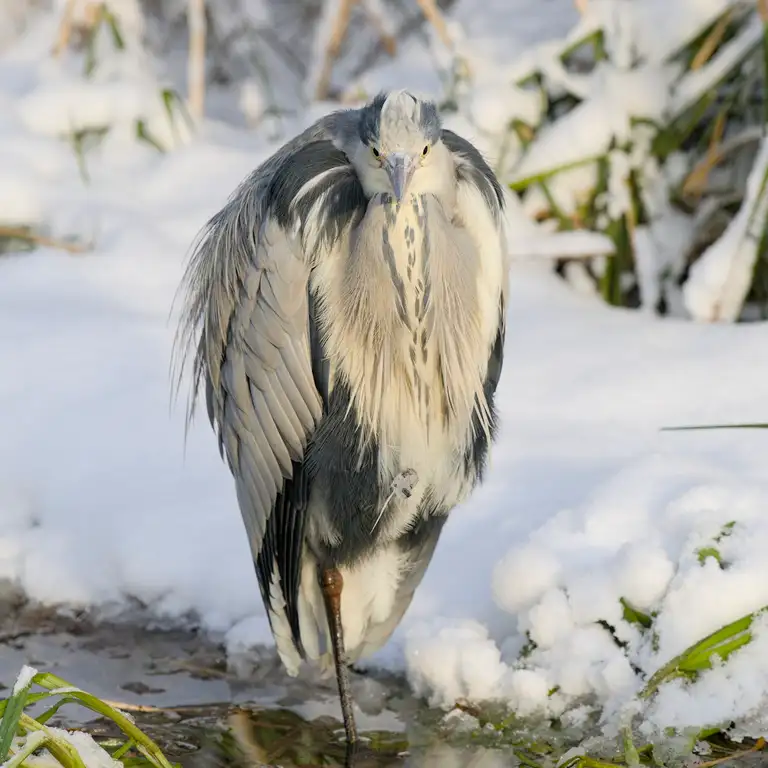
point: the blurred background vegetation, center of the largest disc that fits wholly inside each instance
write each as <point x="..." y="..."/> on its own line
<point x="644" y="125"/>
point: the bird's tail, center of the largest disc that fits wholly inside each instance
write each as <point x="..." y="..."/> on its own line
<point x="373" y="600"/>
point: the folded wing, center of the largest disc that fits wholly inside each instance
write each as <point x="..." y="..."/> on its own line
<point x="259" y="353"/>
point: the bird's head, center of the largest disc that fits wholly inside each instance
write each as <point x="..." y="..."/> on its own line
<point x="399" y="151"/>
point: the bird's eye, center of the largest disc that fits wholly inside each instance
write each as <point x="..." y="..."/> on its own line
<point x="425" y="151"/>
<point x="376" y="152"/>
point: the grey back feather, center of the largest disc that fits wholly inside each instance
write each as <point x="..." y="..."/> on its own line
<point x="223" y="253"/>
<point x="246" y="325"/>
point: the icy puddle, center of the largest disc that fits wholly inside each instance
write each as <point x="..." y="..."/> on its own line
<point x="176" y="686"/>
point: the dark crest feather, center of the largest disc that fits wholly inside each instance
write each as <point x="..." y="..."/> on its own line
<point x="370" y="119"/>
<point x="430" y="120"/>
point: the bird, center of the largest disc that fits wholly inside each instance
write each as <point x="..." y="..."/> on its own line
<point x="345" y="313"/>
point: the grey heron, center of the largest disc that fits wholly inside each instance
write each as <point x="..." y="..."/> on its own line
<point x="345" y="312"/>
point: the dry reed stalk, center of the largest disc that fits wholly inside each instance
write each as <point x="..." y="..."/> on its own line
<point x="387" y="40"/>
<point x="708" y="47"/>
<point x="435" y="18"/>
<point x="65" y="28"/>
<point x="696" y="182"/>
<point x="196" y="59"/>
<point x="339" y="30"/>
<point x="19" y="233"/>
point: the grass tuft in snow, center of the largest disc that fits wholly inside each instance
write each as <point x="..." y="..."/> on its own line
<point x="22" y="734"/>
<point x="555" y="744"/>
<point x="700" y="656"/>
<point x="552" y="742"/>
<point x="634" y="616"/>
<point x="651" y="140"/>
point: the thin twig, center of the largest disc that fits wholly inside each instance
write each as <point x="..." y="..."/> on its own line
<point x="759" y="745"/>
<point x="435" y="18"/>
<point x="166" y="710"/>
<point x="465" y="706"/>
<point x="133" y="707"/>
<point x="196" y="60"/>
<point x="711" y="42"/>
<point x="19" y="233"/>
<point x="201" y="670"/>
<point x="696" y="182"/>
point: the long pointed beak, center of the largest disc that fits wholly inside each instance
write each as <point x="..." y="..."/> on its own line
<point x="400" y="168"/>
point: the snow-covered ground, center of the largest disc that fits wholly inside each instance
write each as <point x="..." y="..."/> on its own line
<point x="586" y="502"/>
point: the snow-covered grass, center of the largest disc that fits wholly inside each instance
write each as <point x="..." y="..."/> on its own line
<point x="598" y="550"/>
<point x="31" y="741"/>
<point x="647" y="124"/>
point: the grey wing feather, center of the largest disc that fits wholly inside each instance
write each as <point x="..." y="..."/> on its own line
<point x="223" y="256"/>
<point x="471" y="166"/>
<point x="250" y="319"/>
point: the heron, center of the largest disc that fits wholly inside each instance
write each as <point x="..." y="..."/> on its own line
<point x="345" y="312"/>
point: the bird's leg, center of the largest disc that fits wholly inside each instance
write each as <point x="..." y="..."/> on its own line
<point x="332" y="584"/>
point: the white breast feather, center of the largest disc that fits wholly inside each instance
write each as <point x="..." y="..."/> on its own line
<point x="369" y="344"/>
<point x="401" y="394"/>
<point x="491" y="246"/>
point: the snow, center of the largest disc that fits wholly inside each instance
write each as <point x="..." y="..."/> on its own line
<point x="694" y="83"/>
<point x="660" y="28"/>
<point x="24" y="679"/>
<point x="586" y="501"/>
<point x="614" y="98"/>
<point x="720" y="279"/>
<point x="91" y="754"/>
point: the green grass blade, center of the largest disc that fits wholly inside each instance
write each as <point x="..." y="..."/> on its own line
<point x="698" y="657"/>
<point x="144" y="135"/>
<point x="705" y="553"/>
<point x="633" y="616"/>
<point x="118" y="753"/>
<point x="143" y="743"/>
<point x="62" y="750"/>
<point x="591" y="762"/>
<point x="114" y="28"/>
<point x="518" y="185"/>
<point x="32" y="698"/>
<point x="631" y="755"/>
<point x="715" y="426"/>
<point x="14" y="709"/>
<point x="723" y="642"/>
<point x="32" y="743"/>
<point x="51" y="711"/>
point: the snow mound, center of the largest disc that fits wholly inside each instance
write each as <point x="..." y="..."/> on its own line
<point x="586" y="504"/>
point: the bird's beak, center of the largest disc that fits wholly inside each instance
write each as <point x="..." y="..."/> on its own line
<point x="400" y="168"/>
